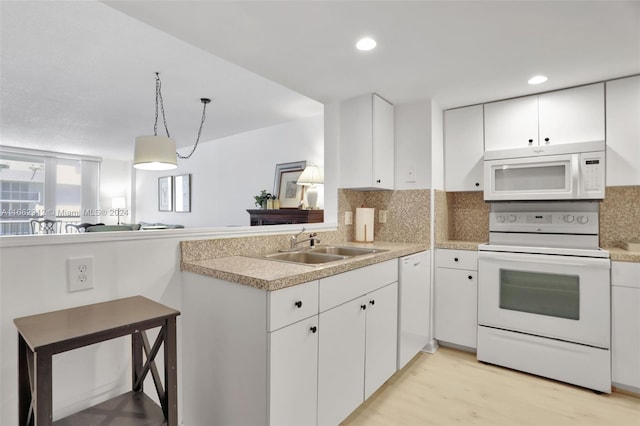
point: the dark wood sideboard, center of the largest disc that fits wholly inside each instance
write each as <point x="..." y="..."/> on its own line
<point x="260" y="217"/>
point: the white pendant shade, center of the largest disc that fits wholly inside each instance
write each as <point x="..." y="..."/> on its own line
<point x="311" y="175"/>
<point x="155" y="153"/>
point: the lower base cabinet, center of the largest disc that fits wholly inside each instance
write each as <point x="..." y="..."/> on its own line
<point x="253" y="357"/>
<point x="625" y="325"/>
<point x="357" y="352"/>
<point x="293" y="381"/>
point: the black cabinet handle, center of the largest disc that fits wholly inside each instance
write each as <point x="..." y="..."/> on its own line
<point x="530" y="141"/>
<point x="378" y="181"/>
<point x="455" y="259"/>
<point x="314" y="329"/>
<point x="470" y="277"/>
<point x="298" y="304"/>
<point x="477" y="183"/>
<point x="546" y="140"/>
<point x="363" y="307"/>
<point x="372" y="302"/>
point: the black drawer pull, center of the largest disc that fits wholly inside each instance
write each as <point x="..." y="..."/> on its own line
<point x="363" y="307"/>
<point x="314" y="329"/>
<point x="298" y="304"/>
<point x="470" y="277"/>
<point x="455" y="259"/>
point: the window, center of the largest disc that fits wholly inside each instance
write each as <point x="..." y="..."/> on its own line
<point x="42" y="185"/>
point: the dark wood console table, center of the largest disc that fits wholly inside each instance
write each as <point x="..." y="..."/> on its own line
<point x="284" y="216"/>
<point x="44" y="335"/>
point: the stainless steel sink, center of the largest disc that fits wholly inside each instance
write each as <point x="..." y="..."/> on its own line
<point x="346" y="251"/>
<point x="306" y="257"/>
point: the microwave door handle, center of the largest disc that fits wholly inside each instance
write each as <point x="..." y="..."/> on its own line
<point x="575" y="175"/>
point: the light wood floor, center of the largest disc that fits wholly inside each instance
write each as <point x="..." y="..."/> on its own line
<point x="451" y="387"/>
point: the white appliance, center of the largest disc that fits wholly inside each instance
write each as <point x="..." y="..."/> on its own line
<point x="575" y="176"/>
<point x="544" y="293"/>
<point x="414" y="302"/>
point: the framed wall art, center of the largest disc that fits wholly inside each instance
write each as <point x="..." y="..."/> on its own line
<point x="165" y="193"/>
<point x="285" y="187"/>
<point x="182" y="191"/>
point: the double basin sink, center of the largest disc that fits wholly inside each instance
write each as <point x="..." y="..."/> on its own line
<point x="320" y="255"/>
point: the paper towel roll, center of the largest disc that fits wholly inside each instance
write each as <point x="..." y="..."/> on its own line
<point x="364" y="225"/>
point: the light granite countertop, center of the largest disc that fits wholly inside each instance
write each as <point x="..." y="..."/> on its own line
<point x="459" y="245"/>
<point x="266" y="274"/>
<point x="618" y="254"/>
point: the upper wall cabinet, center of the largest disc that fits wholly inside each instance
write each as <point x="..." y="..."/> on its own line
<point x="367" y="143"/>
<point x="463" y="149"/>
<point x="623" y="131"/>
<point x="538" y="124"/>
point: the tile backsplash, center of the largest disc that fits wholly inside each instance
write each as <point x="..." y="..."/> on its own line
<point x="408" y="214"/>
<point x="461" y="216"/>
<point x="620" y="216"/>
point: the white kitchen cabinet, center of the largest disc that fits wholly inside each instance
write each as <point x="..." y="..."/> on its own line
<point x="463" y="148"/>
<point x="367" y="143"/>
<point x="341" y="361"/>
<point x="625" y="325"/>
<point x="456" y="297"/>
<point x="250" y="355"/>
<point x="293" y="379"/>
<point x="358" y="338"/>
<point x="381" y="337"/>
<point x="538" y="124"/>
<point x="623" y="131"/>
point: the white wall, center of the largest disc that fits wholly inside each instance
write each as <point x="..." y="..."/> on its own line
<point x="413" y="145"/>
<point x="33" y="280"/>
<point x="226" y="173"/>
<point x="437" y="147"/>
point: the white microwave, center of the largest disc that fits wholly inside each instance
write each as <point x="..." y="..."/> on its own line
<point x="577" y="176"/>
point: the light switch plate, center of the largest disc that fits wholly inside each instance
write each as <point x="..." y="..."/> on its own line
<point x="348" y="218"/>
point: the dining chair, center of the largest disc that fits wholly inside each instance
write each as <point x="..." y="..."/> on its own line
<point x="45" y="226"/>
<point x="73" y="228"/>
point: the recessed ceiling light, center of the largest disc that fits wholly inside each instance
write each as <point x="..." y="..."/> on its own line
<point x="366" y="43"/>
<point x="537" y="79"/>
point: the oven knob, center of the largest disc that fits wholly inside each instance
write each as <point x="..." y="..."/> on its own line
<point x="512" y="218"/>
<point x="569" y="218"/>
<point x="500" y="219"/>
<point x="583" y="219"/>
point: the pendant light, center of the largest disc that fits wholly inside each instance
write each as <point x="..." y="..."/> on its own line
<point x="159" y="152"/>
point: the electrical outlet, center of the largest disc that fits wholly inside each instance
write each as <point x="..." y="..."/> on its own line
<point x="382" y="216"/>
<point x="348" y="218"/>
<point x="80" y="273"/>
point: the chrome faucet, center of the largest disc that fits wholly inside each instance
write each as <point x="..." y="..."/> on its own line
<point x="312" y="239"/>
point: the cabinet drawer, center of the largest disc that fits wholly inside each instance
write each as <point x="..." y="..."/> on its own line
<point x="458" y="259"/>
<point x="625" y="274"/>
<point x="292" y="304"/>
<point x="341" y="288"/>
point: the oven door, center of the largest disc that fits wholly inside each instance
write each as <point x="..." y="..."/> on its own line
<point x="561" y="297"/>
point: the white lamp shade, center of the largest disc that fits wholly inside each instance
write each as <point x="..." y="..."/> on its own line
<point x="118" y="203"/>
<point x="155" y="153"/>
<point x="311" y="175"/>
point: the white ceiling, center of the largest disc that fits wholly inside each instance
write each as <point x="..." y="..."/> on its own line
<point x="81" y="73"/>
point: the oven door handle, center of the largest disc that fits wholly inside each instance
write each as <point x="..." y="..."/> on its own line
<point x="590" y="262"/>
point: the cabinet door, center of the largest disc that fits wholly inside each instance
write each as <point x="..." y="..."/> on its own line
<point x="572" y="115"/>
<point x="625" y="336"/>
<point x="463" y="149"/>
<point x="381" y="337"/>
<point x="623" y="131"/>
<point x="383" y="144"/>
<point x="456" y="306"/>
<point x="511" y="124"/>
<point x="341" y="361"/>
<point x="293" y="374"/>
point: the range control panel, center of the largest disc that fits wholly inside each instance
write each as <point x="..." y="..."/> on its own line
<point x="555" y="222"/>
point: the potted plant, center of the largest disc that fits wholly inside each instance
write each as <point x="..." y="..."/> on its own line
<point x="261" y="199"/>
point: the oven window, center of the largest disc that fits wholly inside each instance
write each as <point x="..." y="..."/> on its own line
<point x="554" y="295"/>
